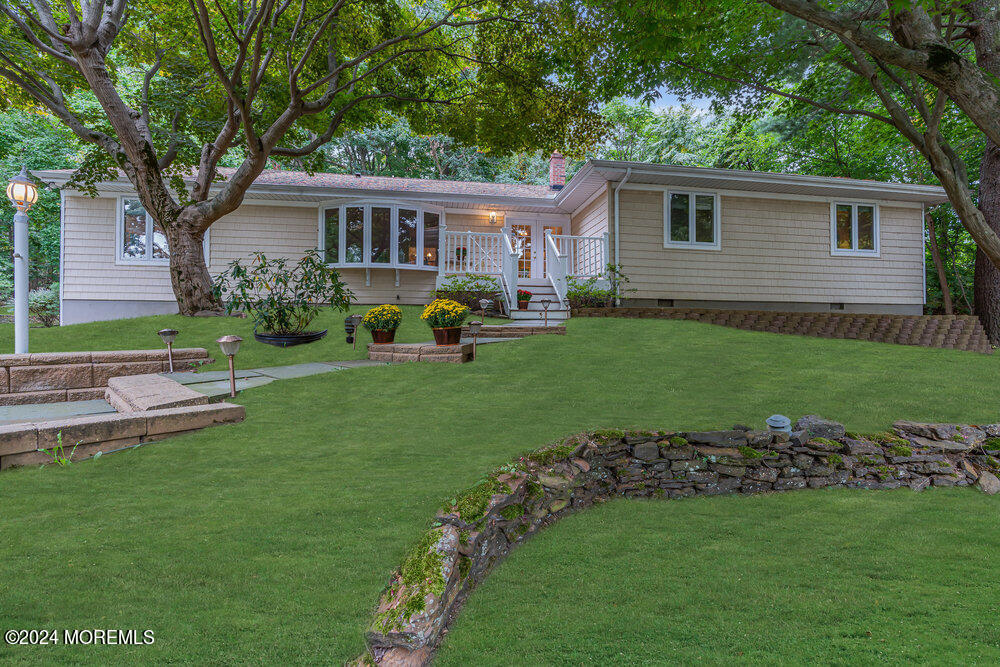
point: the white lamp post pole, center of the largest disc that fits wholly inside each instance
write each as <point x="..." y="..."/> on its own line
<point x="22" y="194"/>
<point x="21" y="281"/>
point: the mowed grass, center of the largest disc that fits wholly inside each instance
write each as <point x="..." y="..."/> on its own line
<point x="830" y="577"/>
<point x="140" y="333"/>
<point x="269" y="541"/>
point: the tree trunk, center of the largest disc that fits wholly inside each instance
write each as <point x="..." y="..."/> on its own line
<point x="188" y="272"/>
<point x="987" y="276"/>
<point x="939" y="265"/>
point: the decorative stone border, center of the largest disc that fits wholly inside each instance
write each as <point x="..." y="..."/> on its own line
<point x="514" y="331"/>
<point x="19" y="443"/>
<point x="959" y="332"/>
<point x="54" y="377"/>
<point x="398" y="352"/>
<point x="479" y="527"/>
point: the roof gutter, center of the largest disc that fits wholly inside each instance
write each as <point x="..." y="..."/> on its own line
<point x="628" y="173"/>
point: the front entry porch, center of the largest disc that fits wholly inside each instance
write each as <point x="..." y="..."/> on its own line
<point x="528" y="254"/>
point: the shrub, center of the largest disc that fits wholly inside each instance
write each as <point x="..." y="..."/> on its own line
<point x="444" y="313"/>
<point x="586" y="293"/>
<point x="281" y="299"/>
<point x="468" y="290"/>
<point x="43" y="305"/>
<point x="382" y="318"/>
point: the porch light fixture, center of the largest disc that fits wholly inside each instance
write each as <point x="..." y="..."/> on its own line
<point x="779" y="423"/>
<point x="493" y="218"/>
<point x="546" y="302"/>
<point x="474" y="327"/>
<point x="168" y="336"/>
<point x="22" y="193"/>
<point x="230" y="346"/>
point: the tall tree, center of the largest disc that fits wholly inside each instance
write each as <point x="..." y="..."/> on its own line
<point x="183" y="88"/>
<point x="920" y="67"/>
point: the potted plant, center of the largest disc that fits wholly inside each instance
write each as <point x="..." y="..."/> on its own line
<point x="382" y="321"/>
<point x="282" y="299"/>
<point x="523" y="297"/>
<point x="445" y="318"/>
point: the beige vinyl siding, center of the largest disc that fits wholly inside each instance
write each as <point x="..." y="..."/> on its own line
<point x="90" y="271"/>
<point x="772" y="250"/>
<point x="592" y="219"/>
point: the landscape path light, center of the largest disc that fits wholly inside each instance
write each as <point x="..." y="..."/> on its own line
<point x="168" y="336"/>
<point x="356" y="321"/>
<point x="483" y="305"/>
<point x="230" y="346"/>
<point x="22" y="193"/>
<point x="546" y="302"/>
<point x="474" y="327"/>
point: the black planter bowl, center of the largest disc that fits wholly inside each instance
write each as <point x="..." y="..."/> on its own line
<point x="288" y="340"/>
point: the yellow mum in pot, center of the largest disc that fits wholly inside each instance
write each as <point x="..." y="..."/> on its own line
<point x="444" y="313"/>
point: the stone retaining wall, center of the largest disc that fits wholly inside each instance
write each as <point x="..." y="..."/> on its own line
<point x="399" y="352"/>
<point x="960" y="332"/>
<point x="19" y="443"/>
<point x="52" y="377"/>
<point x="514" y="331"/>
<point x="472" y="533"/>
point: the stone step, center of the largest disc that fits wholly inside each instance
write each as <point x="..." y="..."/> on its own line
<point x="519" y="315"/>
<point x="540" y="322"/>
<point x="137" y="393"/>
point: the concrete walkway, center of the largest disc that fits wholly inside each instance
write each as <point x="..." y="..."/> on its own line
<point x="216" y="383"/>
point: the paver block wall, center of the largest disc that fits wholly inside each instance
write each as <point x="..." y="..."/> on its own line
<point x="398" y="352"/>
<point x="959" y="332"/>
<point x="19" y="443"/>
<point x="51" y="377"/>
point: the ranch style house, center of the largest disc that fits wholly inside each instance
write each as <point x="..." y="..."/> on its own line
<point x="685" y="236"/>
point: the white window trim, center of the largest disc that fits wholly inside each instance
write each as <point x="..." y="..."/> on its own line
<point x="121" y="260"/>
<point x="843" y="252"/>
<point x="692" y="244"/>
<point x="367" y="205"/>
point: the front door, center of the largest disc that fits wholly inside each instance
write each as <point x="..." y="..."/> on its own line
<point x="529" y="240"/>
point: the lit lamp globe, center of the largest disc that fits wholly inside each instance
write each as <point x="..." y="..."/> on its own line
<point x="21" y="192"/>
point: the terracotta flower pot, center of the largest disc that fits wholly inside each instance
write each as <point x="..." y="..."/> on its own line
<point x="447" y="335"/>
<point x="383" y="335"/>
<point x="523" y="305"/>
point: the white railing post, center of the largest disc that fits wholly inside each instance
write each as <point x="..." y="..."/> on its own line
<point x="555" y="266"/>
<point x="442" y="257"/>
<point x="508" y="271"/>
<point x="606" y="259"/>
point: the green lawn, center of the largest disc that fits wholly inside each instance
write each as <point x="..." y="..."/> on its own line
<point x="270" y="540"/>
<point x="140" y="333"/>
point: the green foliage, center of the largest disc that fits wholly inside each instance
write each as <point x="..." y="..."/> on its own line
<point x="468" y="289"/>
<point x="472" y="504"/>
<point x="43" y="305"/>
<point x="834" y="460"/>
<point x="901" y="450"/>
<point x="587" y="293"/>
<point x="58" y="452"/>
<point x="750" y="453"/>
<point x="281" y="299"/>
<point x="678" y="441"/>
<point x="991" y="443"/>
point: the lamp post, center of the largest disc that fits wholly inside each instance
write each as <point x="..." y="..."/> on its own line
<point x="474" y="327"/>
<point x="546" y="302"/>
<point x="355" y="323"/>
<point x="483" y="305"/>
<point x="22" y="194"/>
<point x="168" y="336"/>
<point x="230" y="346"/>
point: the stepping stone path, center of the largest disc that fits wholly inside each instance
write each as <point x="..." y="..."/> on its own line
<point x="216" y="383"/>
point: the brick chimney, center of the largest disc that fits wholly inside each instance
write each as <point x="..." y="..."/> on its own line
<point x="557" y="171"/>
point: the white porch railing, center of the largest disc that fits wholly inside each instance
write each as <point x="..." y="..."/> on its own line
<point x="586" y="256"/>
<point x="556" y="263"/>
<point x="471" y="252"/>
<point x="508" y="272"/>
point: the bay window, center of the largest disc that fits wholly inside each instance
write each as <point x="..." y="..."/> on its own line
<point x="380" y="234"/>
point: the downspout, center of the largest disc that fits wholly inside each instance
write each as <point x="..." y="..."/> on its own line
<point x="628" y="172"/>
